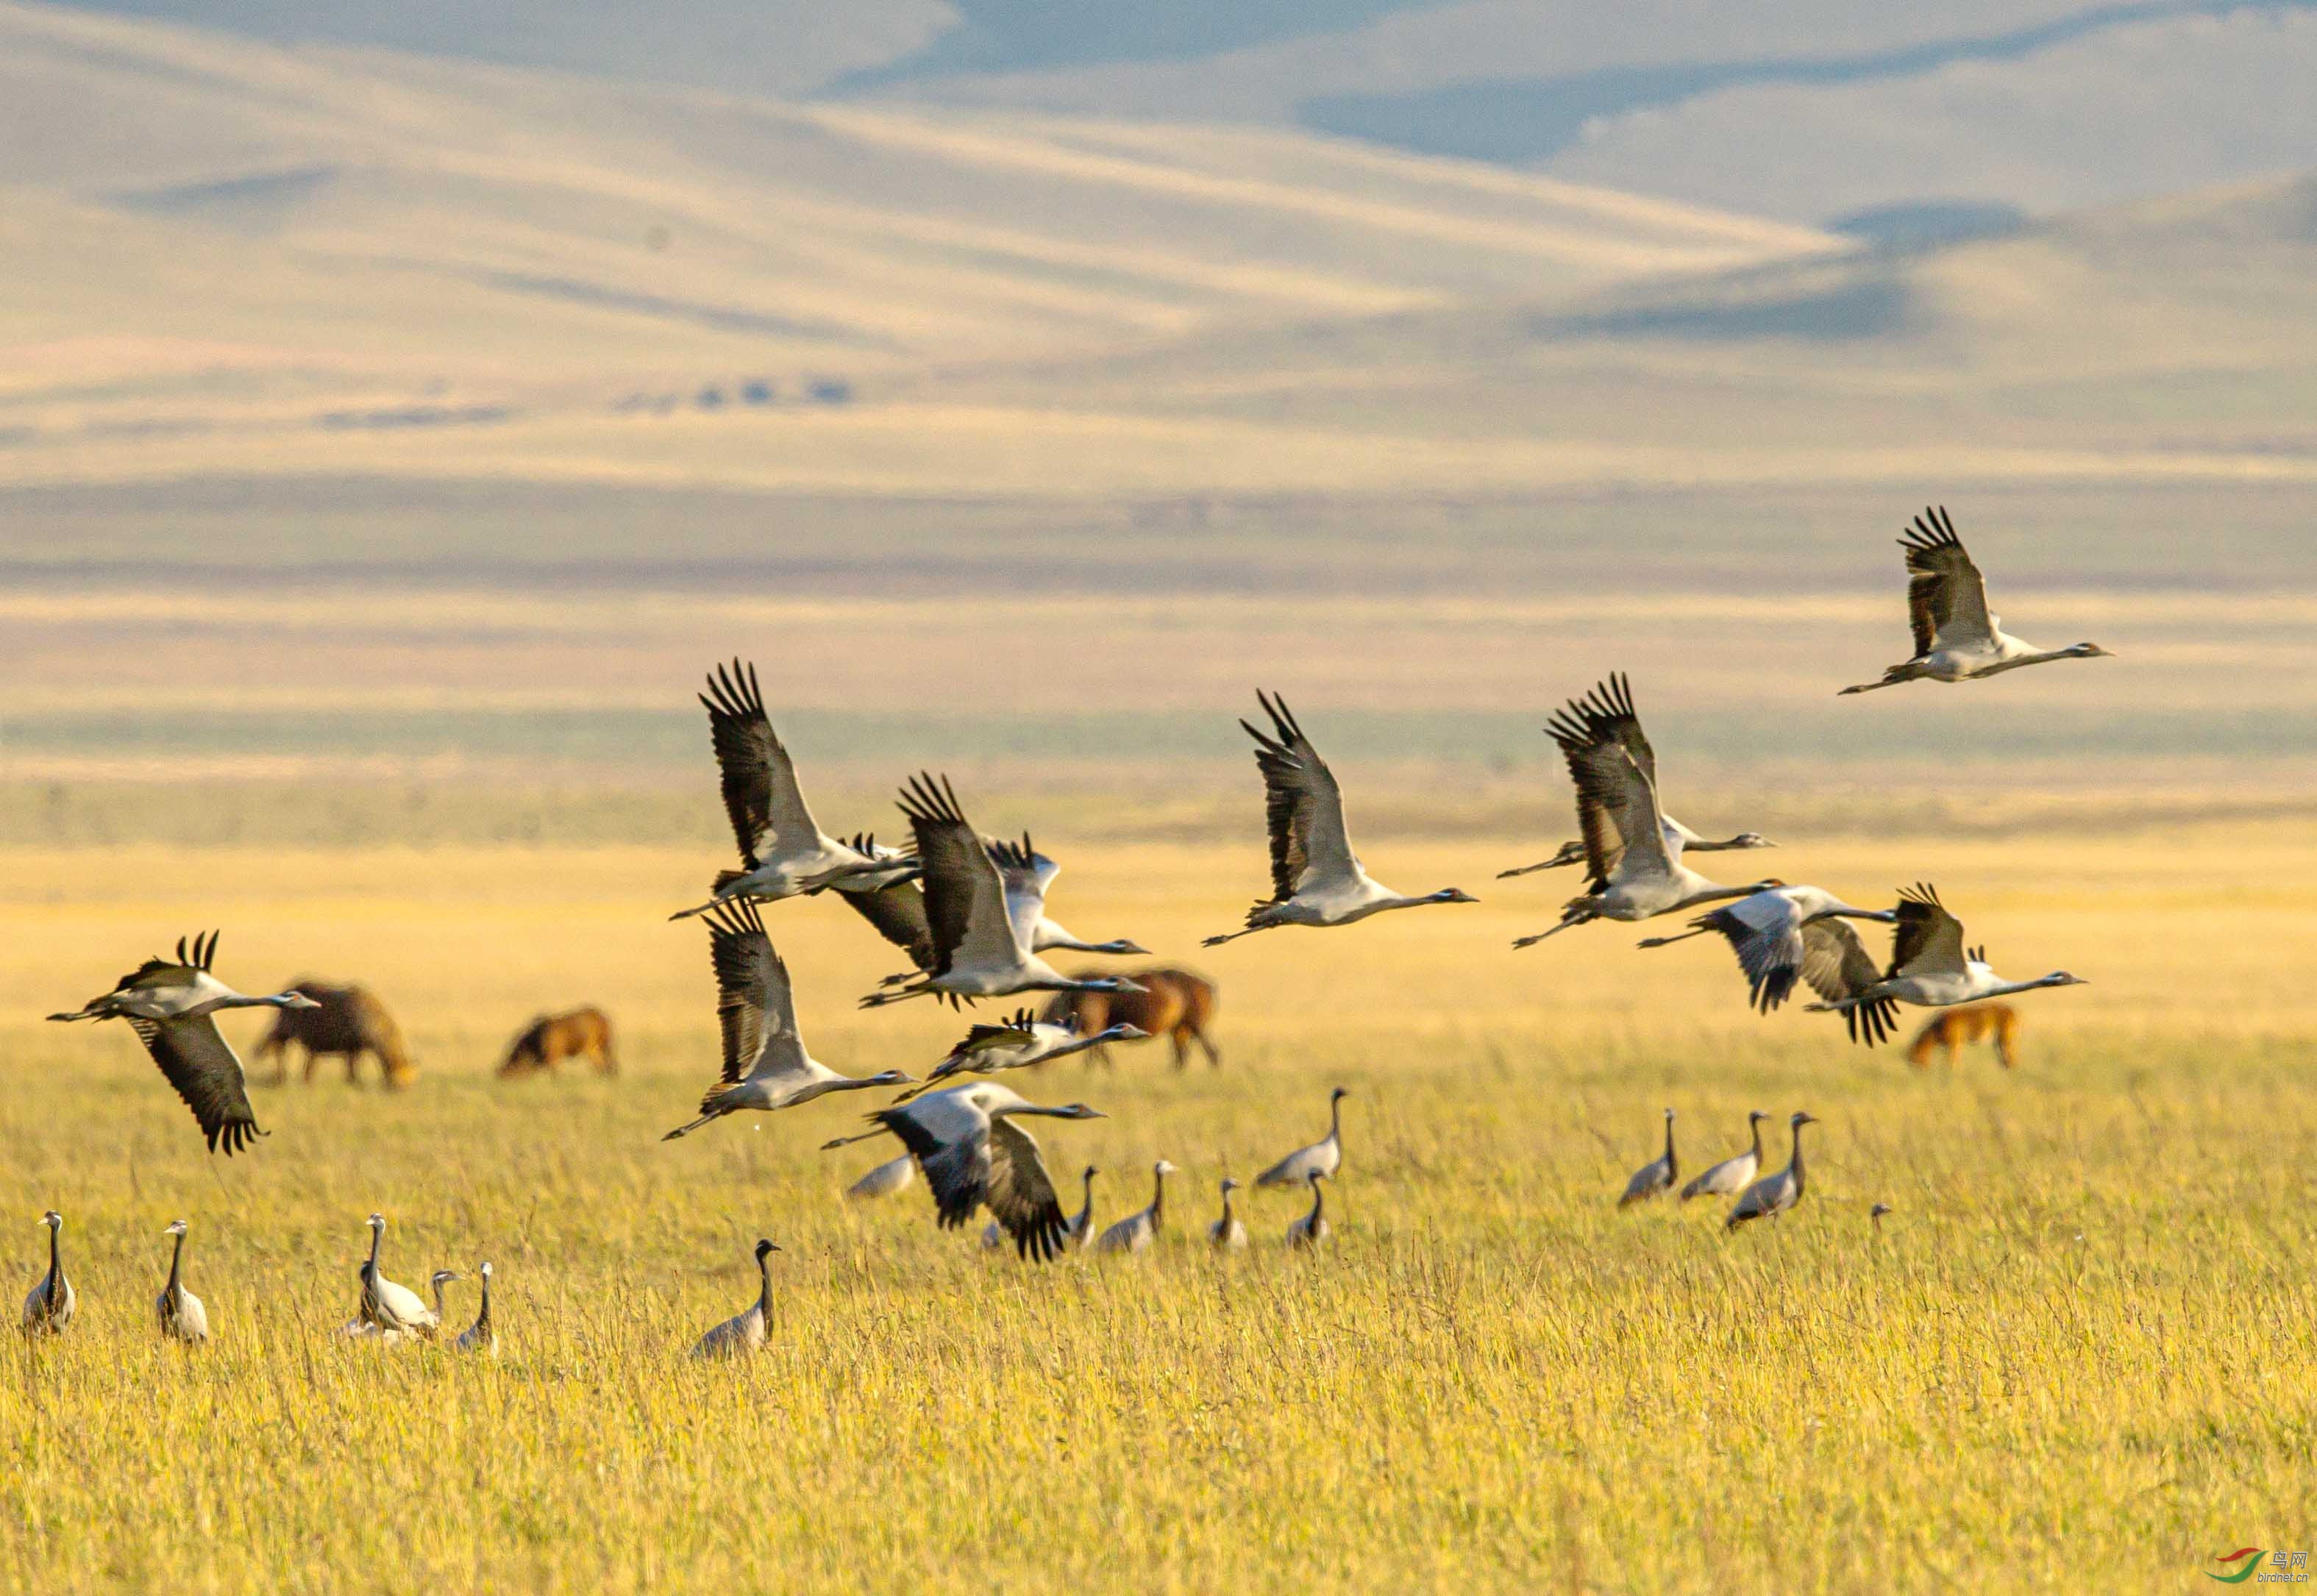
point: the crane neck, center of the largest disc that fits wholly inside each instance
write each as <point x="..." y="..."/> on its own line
<point x="1319" y="1203"/>
<point x="1669" y="1155"/>
<point x="483" y="1314"/>
<point x="1797" y="1162"/>
<point x="764" y="1285"/>
<point x="1758" y="1143"/>
<point x="1157" y="1200"/>
<point x="1336" y="1119"/>
<point x="176" y="1256"/>
<point x="56" y="1255"/>
<point x="376" y="1233"/>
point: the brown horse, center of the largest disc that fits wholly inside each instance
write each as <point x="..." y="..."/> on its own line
<point x="1953" y="1027"/>
<point x="350" y="1023"/>
<point x="1177" y="1005"/>
<point x="549" y="1040"/>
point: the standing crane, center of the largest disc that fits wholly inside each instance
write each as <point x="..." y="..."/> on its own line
<point x="181" y="1316"/>
<point x="1324" y="1156"/>
<point x="765" y="1065"/>
<point x="1956" y="639"/>
<point x="783" y="852"/>
<point x="48" y="1306"/>
<point x="394" y="1310"/>
<point x="1316" y="878"/>
<point x="1732" y="1174"/>
<point x="479" y="1337"/>
<point x="1138" y="1229"/>
<point x="1632" y="871"/>
<point x="169" y="1004"/>
<point x="1312" y="1230"/>
<point x="1656" y="1177"/>
<point x="1776" y="1194"/>
<point x="744" y="1332"/>
<point x="1228" y="1231"/>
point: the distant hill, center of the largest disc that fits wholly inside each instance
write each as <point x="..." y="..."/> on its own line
<point x="1805" y="110"/>
<point x="219" y="251"/>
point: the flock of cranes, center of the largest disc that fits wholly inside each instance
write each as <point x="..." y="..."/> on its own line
<point x="968" y="913"/>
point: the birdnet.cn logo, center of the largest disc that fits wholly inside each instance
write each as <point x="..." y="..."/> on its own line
<point x="2251" y="1564"/>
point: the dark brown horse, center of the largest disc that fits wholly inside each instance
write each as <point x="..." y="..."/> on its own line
<point x="350" y="1023"/>
<point x="549" y="1040"/>
<point x="1179" y="1006"/>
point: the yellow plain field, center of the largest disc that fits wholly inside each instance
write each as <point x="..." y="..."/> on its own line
<point x="2083" y="1343"/>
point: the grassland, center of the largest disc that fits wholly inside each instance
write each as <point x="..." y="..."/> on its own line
<point x="2084" y="1344"/>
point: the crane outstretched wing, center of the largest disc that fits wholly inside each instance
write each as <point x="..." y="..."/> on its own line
<point x="1836" y="965"/>
<point x="755" y="1006"/>
<point x="1930" y="940"/>
<point x="1946" y="597"/>
<point x="899" y="913"/>
<point x="965" y="896"/>
<point x="1302" y="807"/>
<point x="761" y="795"/>
<point x="1766" y="931"/>
<point x="1027" y="873"/>
<point x="1614" y="771"/>
<point x="1022" y="1195"/>
<point x="202" y="1067"/>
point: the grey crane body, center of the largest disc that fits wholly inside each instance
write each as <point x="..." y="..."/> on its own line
<point x="1138" y="1230"/>
<point x="972" y="1153"/>
<point x="1733" y="1176"/>
<point x="1027" y="876"/>
<point x="1655" y="1178"/>
<point x="1775" y="1194"/>
<point x="1019" y="1043"/>
<point x="172" y="1005"/>
<point x="1316" y="878"/>
<point x="744" y="1332"/>
<point x="1228" y="1232"/>
<point x="393" y="1310"/>
<point x="974" y="947"/>
<point x="1957" y="638"/>
<point x="1770" y="932"/>
<point x="783" y="852"/>
<point x="891" y="1176"/>
<point x="765" y="1065"/>
<point x="481" y="1338"/>
<point x="1080" y="1228"/>
<point x="1679" y="839"/>
<point x="180" y="1313"/>
<point x="49" y="1305"/>
<point x="1634" y="869"/>
<point x="1930" y="968"/>
<point x="1324" y="1156"/>
<point x="1312" y="1229"/>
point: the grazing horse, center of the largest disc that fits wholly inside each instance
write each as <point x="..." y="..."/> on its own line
<point x="348" y="1022"/>
<point x="549" y="1040"/>
<point x="1954" y="1028"/>
<point x="1176" y="1004"/>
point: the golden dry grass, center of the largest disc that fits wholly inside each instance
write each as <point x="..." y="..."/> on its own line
<point x="2084" y="1344"/>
